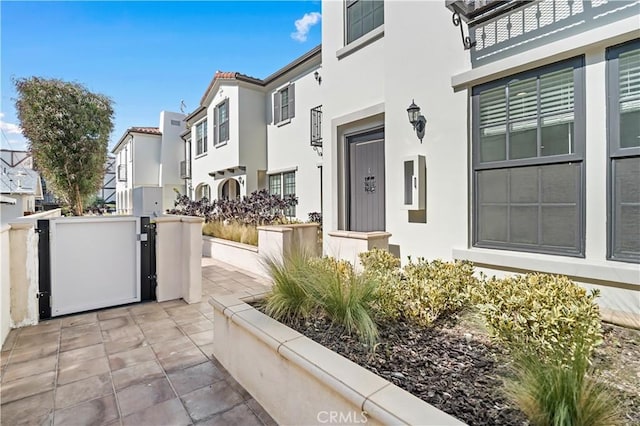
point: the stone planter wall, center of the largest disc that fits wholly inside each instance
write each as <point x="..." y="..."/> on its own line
<point x="274" y="242"/>
<point x="299" y="381"/>
<point x="346" y="245"/>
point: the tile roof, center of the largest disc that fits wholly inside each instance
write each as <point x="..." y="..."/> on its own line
<point x="148" y="130"/>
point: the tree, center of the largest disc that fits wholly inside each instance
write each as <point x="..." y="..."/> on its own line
<point x="68" y="130"/>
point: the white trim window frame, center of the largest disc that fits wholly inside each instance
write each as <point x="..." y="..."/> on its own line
<point x="528" y="161"/>
<point x="221" y="123"/>
<point x="284" y="107"/>
<point x="361" y="17"/>
<point x="623" y="168"/>
<point x="201" y="138"/>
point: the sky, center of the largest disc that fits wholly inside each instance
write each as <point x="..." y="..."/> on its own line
<point x="146" y="56"/>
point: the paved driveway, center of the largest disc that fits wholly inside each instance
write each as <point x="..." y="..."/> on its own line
<point x="145" y="364"/>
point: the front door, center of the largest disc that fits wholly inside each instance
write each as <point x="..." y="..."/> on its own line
<point x="366" y="181"/>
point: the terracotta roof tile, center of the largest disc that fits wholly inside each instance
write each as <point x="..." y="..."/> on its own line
<point x="148" y="130"/>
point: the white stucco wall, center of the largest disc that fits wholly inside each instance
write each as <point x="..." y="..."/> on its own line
<point x="252" y="135"/>
<point x="171" y="153"/>
<point x="378" y="81"/>
<point x="5" y="284"/>
<point x="288" y="146"/>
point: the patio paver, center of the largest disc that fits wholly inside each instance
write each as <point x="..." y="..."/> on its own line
<point x="143" y="364"/>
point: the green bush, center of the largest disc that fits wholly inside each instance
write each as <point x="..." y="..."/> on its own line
<point x="551" y="393"/>
<point x="379" y="262"/>
<point x="291" y="295"/>
<point x="422" y="291"/>
<point x="303" y="284"/>
<point x="544" y="313"/>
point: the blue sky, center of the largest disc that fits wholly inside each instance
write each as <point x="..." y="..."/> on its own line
<point x="146" y="56"/>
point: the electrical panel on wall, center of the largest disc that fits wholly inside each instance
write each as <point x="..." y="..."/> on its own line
<point x="415" y="183"/>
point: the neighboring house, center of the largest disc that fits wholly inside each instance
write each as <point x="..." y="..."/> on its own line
<point x="530" y="160"/>
<point x="250" y="134"/>
<point x="20" y="185"/>
<point x="148" y="166"/>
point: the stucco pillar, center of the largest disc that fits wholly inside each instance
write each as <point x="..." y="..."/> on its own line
<point x="23" y="272"/>
<point x="168" y="258"/>
<point x="192" y="258"/>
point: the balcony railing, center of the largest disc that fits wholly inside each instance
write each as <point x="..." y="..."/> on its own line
<point x="185" y="169"/>
<point x="122" y="172"/>
<point x="316" y="126"/>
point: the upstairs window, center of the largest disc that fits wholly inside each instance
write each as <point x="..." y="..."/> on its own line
<point x="528" y="166"/>
<point x="623" y="64"/>
<point x="284" y="104"/>
<point x="201" y="137"/>
<point x="363" y="16"/>
<point x="221" y="123"/>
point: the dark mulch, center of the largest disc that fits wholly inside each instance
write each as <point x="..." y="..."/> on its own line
<point x="455" y="371"/>
<point x="455" y="367"/>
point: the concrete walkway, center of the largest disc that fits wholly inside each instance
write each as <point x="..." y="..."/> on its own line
<point x="145" y="364"/>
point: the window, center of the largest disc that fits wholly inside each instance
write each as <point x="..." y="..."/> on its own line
<point x="221" y="123"/>
<point x="203" y="191"/>
<point x="528" y="166"/>
<point x="284" y="184"/>
<point x="362" y="17"/>
<point x="201" y="137"/>
<point x="284" y="104"/>
<point x="623" y="64"/>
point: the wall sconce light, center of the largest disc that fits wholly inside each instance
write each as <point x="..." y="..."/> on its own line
<point x="417" y="120"/>
<point x="317" y="76"/>
<point x="241" y="180"/>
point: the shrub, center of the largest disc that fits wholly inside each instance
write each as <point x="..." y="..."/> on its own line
<point x="233" y="231"/>
<point x="303" y="284"/>
<point x="259" y="208"/>
<point x="291" y="295"/>
<point x="551" y="393"/>
<point x="546" y="313"/>
<point x="422" y="291"/>
<point x="345" y="296"/>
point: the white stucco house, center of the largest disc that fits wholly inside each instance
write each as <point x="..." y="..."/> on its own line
<point x="20" y="185"/>
<point x="530" y="157"/>
<point x="250" y="134"/>
<point x="148" y="166"/>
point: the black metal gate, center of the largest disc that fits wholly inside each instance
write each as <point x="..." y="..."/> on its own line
<point x="148" y="282"/>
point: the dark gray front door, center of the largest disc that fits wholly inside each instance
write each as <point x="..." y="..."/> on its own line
<point x="366" y="181"/>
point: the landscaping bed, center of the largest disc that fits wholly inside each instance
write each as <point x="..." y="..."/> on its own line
<point x="457" y="369"/>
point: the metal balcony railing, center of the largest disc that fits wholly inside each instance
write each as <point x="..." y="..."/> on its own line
<point x="122" y="172"/>
<point x="316" y="126"/>
<point x="185" y="169"/>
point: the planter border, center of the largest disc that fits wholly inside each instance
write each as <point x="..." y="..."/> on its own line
<point x="335" y="379"/>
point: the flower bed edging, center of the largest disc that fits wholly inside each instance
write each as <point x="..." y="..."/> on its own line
<point x="243" y="256"/>
<point x="299" y="381"/>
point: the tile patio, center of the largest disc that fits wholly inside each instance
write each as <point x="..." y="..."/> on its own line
<point x="145" y="364"/>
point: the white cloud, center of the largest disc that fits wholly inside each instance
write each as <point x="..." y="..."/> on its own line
<point x="10" y="128"/>
<point x="304" y="24"/>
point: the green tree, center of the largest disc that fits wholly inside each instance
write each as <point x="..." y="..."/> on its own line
<point x="68" y="130"/>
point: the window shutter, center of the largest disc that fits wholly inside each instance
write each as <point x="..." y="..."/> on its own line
<point x="215" y="126"/>
<point x="292" y="100"/>
<point x="629" y="71"/>
<point x="276" y="107"/>
<point x="556" y="97"/>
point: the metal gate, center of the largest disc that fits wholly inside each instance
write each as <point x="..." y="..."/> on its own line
<point x="88" y="263"/>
